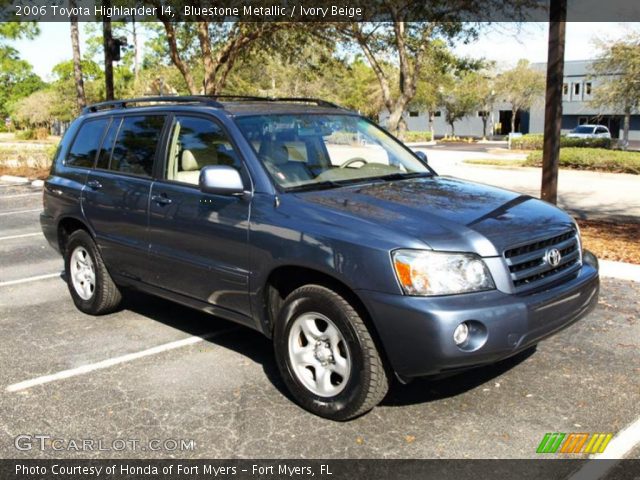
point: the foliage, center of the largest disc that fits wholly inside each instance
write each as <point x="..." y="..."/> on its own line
<point x="593" y="159"/>
<point x="521" y="87"/>
<point x="462" y="97"/>
<point x="17" y="79"/>
<point x="620" y="91"/>
<point x="416" y="136"/>
<point x="36" y="110"/>
<point x="534" y="141"/>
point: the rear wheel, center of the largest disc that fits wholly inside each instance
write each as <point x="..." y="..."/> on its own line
<point x="92" y="289"/>
<point x="327" y="356"/>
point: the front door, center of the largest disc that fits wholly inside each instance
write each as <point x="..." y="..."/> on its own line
<point x="198" y="241"/>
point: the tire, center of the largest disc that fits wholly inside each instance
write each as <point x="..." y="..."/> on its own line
<point x="333" y="370"/>
<point x="92" y="289"/>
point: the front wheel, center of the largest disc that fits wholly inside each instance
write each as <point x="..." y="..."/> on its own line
<point x="327" y="356"/>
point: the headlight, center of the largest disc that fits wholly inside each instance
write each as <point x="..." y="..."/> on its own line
<point x="423" y="272"/>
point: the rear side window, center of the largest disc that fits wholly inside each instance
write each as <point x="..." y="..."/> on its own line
<point x="86" y="144"/>
<point x="135" y="147"/>
<point x="107" y="144"/>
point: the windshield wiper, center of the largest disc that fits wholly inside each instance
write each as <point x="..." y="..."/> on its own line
<point x="324" y="185"/>
<point x="404" y="176"/>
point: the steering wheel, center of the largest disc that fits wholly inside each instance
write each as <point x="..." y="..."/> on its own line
<point x="353" y="160"/>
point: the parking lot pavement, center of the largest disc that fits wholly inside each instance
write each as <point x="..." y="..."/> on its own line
<point x="158" y="371"/>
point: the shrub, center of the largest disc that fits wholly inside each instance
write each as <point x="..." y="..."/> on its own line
<point x="593" y="159"/>
<point x="533" y="141"/>
<point x="416" y="136"/>
<point x="27" y="134"/>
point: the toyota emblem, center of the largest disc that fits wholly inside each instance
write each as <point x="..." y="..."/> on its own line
<point x="553" y="257"/>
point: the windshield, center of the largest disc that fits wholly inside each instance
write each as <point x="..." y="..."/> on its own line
<point x="583" y="129"/>
<point x="307" y="151"/>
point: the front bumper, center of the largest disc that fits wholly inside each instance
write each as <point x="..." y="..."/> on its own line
<point x="417" y="332"/>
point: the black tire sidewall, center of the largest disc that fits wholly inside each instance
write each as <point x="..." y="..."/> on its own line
<point x="341" y="405"/>
<point x="81" y="238"/>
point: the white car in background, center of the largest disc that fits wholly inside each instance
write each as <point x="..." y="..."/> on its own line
<point x="589" y="131"/>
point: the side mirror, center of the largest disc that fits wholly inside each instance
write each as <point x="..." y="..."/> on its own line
<point x="221" y="180"/>
<point x="421" y="155"/>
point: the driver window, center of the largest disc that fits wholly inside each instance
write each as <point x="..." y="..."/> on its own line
<point x="196" y="143"/>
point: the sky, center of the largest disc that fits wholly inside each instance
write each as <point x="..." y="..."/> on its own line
<point x="503" y="43"/>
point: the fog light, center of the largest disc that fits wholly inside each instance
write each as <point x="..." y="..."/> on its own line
<point x="461" y="333"/>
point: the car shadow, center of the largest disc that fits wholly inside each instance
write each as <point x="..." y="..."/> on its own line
<point x="214" y="330"/>
<point x="258" y="348"/>
<point x="424" y="390"/>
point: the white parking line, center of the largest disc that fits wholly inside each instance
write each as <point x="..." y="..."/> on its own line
<point x="18" y="195"/>
<point x="73" y="372"/>
<point x="29" y="279"/>
<point x="24" y="235"/>
<point x="15" y="212"/>
<point x="619" y="447"/>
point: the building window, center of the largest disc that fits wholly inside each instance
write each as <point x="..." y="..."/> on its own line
<point x="483" y="113"/>
<point x="437" y="114"/>
<point x="576" y="89"/>
<point x="587" y="88"/>
<point x="414" y="114"/>
<point x="565" y="89"/>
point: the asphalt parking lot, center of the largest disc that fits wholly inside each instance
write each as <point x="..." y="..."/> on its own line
<point x="158" y="371"/>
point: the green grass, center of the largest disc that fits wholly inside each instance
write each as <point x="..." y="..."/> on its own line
<point x="500" y="162"/>
<point x="598" y="159"/>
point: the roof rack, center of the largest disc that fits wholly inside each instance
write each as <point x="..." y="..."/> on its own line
<point x="211" y="100"/>
<point x="166" y="99"/>
<point x="251" y="98"/>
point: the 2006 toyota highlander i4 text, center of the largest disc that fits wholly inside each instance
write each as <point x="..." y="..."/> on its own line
<point x="312" y="225"/>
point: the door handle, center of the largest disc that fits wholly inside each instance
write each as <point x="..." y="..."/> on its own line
<point x="94" y="184"/>
<point x="161" y="199"/>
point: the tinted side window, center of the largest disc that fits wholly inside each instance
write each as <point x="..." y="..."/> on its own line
<point x="86" y="144"/>
<point x="135" y="147"/>
<point x="107" y="144"/>
<point x="196" y="143"/>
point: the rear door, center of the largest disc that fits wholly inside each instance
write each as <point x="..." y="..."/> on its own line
<point x="116" y="194"/>
<point x="198" y="241"/>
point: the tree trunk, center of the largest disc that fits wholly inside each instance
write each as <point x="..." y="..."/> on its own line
<point x="514" y="112"/>
<point x="136" y="51"/>
<point x="77" y="66"/>
<point x="484" y="126"/>
<point x="553" y="101"/>
<point x="453" y="129"/>
<point x="431" y="127"/>
<point x="625" y="128"/>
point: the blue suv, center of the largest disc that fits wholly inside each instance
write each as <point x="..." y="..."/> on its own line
<point x="314" y="226"/>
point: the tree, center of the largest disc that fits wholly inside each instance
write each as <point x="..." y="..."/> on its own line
<point x="521" y="87"/>
<point x="36" y="110"/>
<point x="406" y="45"/>
<point x="461" y="98"/>
<point x="617" y="70"/>
<point x="77" y="67"/>
<point x="216" y="46"/>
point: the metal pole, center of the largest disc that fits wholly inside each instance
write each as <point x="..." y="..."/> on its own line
<point x="553" y="101"/>
<point x="108" y="52"/>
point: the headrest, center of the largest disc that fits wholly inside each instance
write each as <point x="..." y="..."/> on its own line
<point x="276" y="151"/>
<point x="188" y="162"/>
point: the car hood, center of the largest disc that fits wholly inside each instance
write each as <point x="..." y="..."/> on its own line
<point x="446" y="213"/>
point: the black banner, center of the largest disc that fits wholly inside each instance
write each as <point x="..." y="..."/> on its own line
<point x="320" y="469"/>
<point x="315" y="10"/>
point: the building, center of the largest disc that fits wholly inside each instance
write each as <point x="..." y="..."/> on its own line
<point x="577" y="91"/>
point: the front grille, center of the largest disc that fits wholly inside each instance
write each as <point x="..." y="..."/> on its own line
<point x="527" y="264"/>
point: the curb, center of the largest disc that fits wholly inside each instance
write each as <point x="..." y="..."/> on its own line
<point x="619" y="270"/>
<point x="21" y="180"/>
